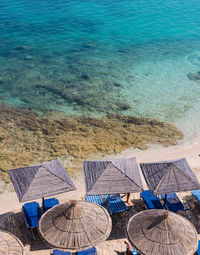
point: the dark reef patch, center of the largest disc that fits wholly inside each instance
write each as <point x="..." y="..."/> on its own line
<point x="27" y="138"/>
<point x="194" y="76"/>
<point x="52" y="80"/>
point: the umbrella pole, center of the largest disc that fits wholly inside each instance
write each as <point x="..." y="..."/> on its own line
<point x="42" y="204"/>
<point x="108" y="203"/>
<point x="165" y="200"/>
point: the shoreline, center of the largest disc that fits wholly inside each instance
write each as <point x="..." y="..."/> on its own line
<point x="184" y="148"/>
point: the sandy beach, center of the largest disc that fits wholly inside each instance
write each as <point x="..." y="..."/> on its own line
<point x="115" y="244"/>
<point x="97" y="80"/>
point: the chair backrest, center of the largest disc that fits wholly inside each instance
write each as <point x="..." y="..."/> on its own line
<point x="91" y="251"/>
<point x="114" y="196"/>
<point x="173" y="203"/>
<point x="198" y="250"/>
<point x="59" y="252"/>
<point x="97" y="199"/>
<point x="151" y="201"/>
<point x="49" y="203"/>
<point x="115" y="205"/>
<point x="32" y="213"/>
<point x="196" y="194"/>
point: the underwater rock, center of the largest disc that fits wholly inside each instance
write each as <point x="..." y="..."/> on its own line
<point x="123" y="106"/>
<point x="85" y="76"/>
<point x="10" y="53"/>
<point x="1" y="80"/>
<point x="39" y="138"/>
<point x="194" y="76"/>
<point x="89" y="46"/>
<point x="23" y="48"/>
<point x="117" y="84"/>
<point x="28" y="57"/>
<point x="125" y="50"/>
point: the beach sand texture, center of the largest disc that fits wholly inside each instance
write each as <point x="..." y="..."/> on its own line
<point x="11" y="217"/>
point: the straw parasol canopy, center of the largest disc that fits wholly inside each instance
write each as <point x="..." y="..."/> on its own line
<point x="44" y="179"/>
<point x="169" y="176"/>
<point x="75" y="225"/>
<point x="10" y="244"/>
<point x="112" y="176"/>
<point x="154" y="232"/>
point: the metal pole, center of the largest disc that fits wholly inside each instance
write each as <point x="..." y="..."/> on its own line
<point x="42" y="204"/>
<point x="165" y="199"/>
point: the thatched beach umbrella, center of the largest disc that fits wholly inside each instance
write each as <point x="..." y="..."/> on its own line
<point x="75" y="225"/>
<point x="112" y="176"/>
<point x="169" y="176"/>
<point x="45" y="179"/>
<point x="154" y="232"/>
<point x="10" y="244"/>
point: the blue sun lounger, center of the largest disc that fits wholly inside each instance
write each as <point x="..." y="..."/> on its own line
<point x="151" y="201"/>
<point x="196" y="194"/>
<point x="198" y="250"/>
<point x="58" y="252"/>
<point x="115" y="203"/>
<point x="32" y="213"/>
<point x="173" y="203"/>
<point x="91" y="251"/>
<point x="49" y="203"/>
<point x="97" y="199"/>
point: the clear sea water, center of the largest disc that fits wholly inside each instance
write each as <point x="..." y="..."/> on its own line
<point x="93" y="57"/>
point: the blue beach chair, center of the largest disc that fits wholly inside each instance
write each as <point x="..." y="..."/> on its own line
<point x="198" y="250"/>
<point x="58" y="252"/>
<point x="151" y="201"/>
<point x="196" y="194"/>
<point x="115" y="204"/>
<point x="32" y="213"/>
<point x="91" y="251"/>
<point x="97" y="199"/>
<point x="173" y="203"/>
<point x="49" y="203"/>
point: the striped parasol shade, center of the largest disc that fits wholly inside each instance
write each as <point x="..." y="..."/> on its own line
<point x="10" y="244"/>
<point x="75" y="225"/>
<point x="154" y="232"/>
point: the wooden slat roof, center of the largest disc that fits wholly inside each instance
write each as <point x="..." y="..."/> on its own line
<point x="169" y="176"/>
<point x="160" y="232"/>
<point x="10" y="244"/>
<point x="112" y="176"/>
<point x="75" y="225"/>
<point x="45" y="179"/>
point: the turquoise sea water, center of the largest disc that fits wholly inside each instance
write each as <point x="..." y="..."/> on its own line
<point x="91" y="57"/>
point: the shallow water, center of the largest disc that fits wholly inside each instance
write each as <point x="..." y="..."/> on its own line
<point x="92" y="57"/>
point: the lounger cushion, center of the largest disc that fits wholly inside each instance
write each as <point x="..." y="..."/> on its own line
<point x="198" y="250"/>
<point x="95" y="199"/>
<point x="173" y="203"/>
<point x="58" y="252"/>
<point x="151" y="201"/>
<point x="32" y="214"/>
<point x="196" y="194"/>
<point x="115" y="205"/>
<point x="91" y="251"/>
<point x="49" y="203"/>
